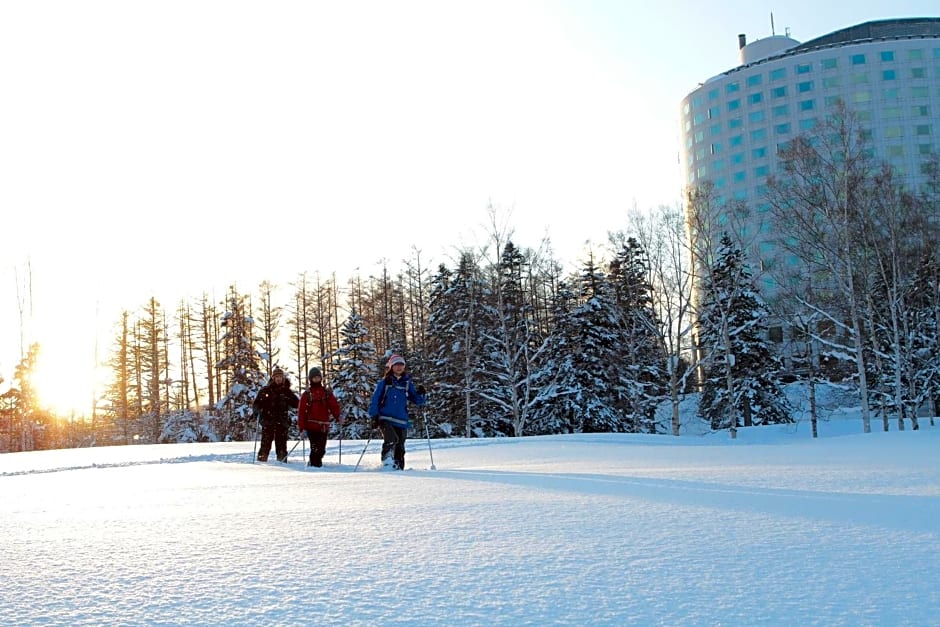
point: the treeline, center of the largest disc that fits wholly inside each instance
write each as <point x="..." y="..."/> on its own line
<point x="834" y="275"/>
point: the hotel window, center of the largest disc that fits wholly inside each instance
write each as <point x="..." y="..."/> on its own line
<point x="922" y="129"/>
<point x="807" y="105"/>
<point x="730" y="88"/>
<point x="699" y="136"/>
<point x="918" y="72"/>
<point x="755" y="116"/>
<point x="829" y="64"/>
<point x="734" y="104"/>
<point x="919" y="92"/>
<point x="737" y="158"/>
<point x="719" y="182"/>
<point x="804" y="87"/>
<point x="804" y="68"/>
<point x="698" y="118"/>
<point x="779" y="73"/>
<point x="893" y="132"/>
<point x="865" y="134"/>
<point x="808" y="124"/>
<point x="782" y="129"/>
<point x="735" y="123"/>
<point x="887" y="55"/>
<point x="779" y="110"/>
<point x="915" y="55"/>
<point x="716" y="148"/>
<point x="889" y="75"/>
<point x="713" y="94"/>
<point x="700" y="154"/>
<point x="925" y="149"/>
<point x="754" y="80"/>
<point x="778" y="92"/>
<point x="754" y="99"/>
<point x="892" y="93"/>
<point x="715" y="130"/>
<point x="759" y="153"/>
<point x="831" y="81"/>
<point x="936" y="53"/>
<point x="696" y="102"/>
<point x="760" y="190"/>
<point x="895" y="151"/>
<point x="759" y="135"/>
<point x="863" y="116"/>
<point x="860" y="78"/>
<point x="761" y="171"/>
<point x="858" y="59"/>
<point x="739" y="177"/>
<point x="740" y="194"/>
<point x="713" y="112"/>
<point x="892" y="113"/>
<point x="920" y="111"/>
<point x="737" y="140"/>
<point x="718" y="164"/>
<point x="831" y="101"/>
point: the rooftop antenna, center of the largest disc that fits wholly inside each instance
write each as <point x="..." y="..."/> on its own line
<point x="772" y="31"/>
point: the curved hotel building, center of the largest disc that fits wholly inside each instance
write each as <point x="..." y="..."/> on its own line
<point x="887" y="72"/>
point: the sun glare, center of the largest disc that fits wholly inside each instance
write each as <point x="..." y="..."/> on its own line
<point x="65" y="391"/>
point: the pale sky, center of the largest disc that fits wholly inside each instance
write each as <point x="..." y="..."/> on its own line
<point x="141" y="142"/>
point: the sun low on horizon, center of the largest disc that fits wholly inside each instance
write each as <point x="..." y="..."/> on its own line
<point x="64" y="389"/>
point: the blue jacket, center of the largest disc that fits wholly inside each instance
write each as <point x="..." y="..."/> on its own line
<point x="394" y="407"/>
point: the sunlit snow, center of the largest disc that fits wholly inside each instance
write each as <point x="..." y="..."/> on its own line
<point x="771" y="528"/>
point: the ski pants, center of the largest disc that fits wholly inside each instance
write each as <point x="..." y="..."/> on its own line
<point x="278" y="434"/>
<point x="393" y="444"/>
<point x="317" y="446"/>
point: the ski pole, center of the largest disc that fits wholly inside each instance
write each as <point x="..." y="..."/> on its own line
<point x="364" y="450"/>
<point x="424" y="414"/>
<point x="293" y="447"/>
<point x="254" y="449"/>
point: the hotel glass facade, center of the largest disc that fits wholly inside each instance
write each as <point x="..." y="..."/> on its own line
<point x="886" y="72"/>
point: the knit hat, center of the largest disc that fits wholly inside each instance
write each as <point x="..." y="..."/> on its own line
<point x="314" y="372"/>
<point x="395" y="359"/>
<point x="277" y="371"/>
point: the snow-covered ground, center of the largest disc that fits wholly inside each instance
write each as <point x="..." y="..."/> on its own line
<point x="771" y="528"/>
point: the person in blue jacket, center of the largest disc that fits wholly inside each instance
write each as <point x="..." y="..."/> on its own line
<point x="389" y="410"/>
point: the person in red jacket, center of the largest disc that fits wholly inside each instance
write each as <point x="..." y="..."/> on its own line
<point x="317" y="406"/>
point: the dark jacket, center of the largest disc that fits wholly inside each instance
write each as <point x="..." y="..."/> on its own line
<point x="273" y="402"/>
<point x="390" y="400"/>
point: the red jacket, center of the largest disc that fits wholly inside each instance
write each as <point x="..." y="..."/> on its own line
<point x="316" y="406"/>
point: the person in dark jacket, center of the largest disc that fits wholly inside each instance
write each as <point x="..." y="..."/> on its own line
<point x="389" y="410"/>
<point x="317" y="406"/>
<point x="272" y="405"/>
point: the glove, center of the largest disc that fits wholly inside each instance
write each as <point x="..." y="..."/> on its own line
<point x="421" y="390"/>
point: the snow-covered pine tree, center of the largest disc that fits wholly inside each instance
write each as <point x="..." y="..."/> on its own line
<point x="510" y="343"/>
<point x="352" y="377"/>
<point x="557" y="406"/>
<point x="644" y="378"/>
<point x="241" y="365"/>
<point x="923" y="329"/>
<point x="597" y="365"/>
<point x="741" y="369"/>
<point x="457" y="310"/>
